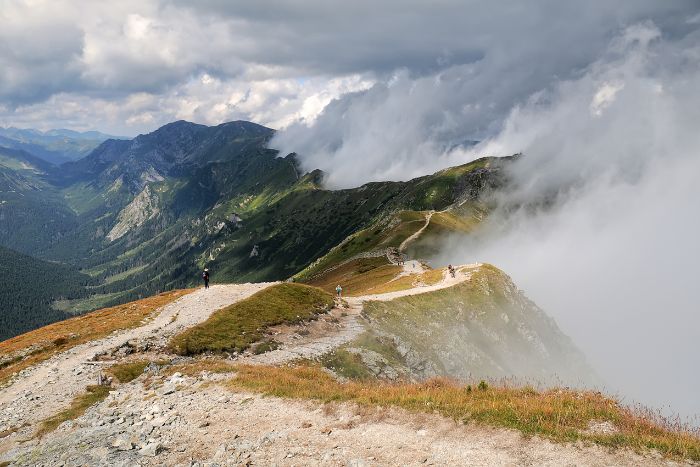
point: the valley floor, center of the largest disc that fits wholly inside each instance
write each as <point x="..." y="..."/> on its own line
<point x="194" y="418"/>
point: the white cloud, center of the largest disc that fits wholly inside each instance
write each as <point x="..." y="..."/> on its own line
<point x="615" y="258"/>
<point x="604" y="97"/>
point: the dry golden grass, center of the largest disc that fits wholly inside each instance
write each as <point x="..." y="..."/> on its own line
<point x="373" y="276"/>
<point x="410" y="281"/>
<point x="58" y="337"/>
<point x="357" y="275"/>
<point x="209" y="365"/>
<point x="558" y="414"/>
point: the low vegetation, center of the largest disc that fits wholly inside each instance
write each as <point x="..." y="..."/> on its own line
<point x="357" y="276"/>
<point x="128" y="371"/>
<point x="346" y="364"/>
<point x="376" y="237"/>
<point x="235" y="328"/>
<point x="80" y="404"/>
<point x="28" y="349"/>
<point x="559" y="414"/>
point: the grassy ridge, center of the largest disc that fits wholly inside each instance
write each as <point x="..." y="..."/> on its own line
<point x="558" y="414"/>
<point x="235" y="328"/>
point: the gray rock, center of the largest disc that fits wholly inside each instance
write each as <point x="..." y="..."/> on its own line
<point x="151" y="449"/>
<point x="122" y="444"/>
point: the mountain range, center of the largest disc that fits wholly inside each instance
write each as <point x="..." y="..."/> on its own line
<point x="53" y="146"/>
<point x="145" y="215"/>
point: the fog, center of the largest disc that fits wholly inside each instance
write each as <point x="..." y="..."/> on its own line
<point x="615" y="258"/>
<point x="614" y="149"/>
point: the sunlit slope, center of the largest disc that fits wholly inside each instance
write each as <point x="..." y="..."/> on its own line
<point x="483" y="327"/>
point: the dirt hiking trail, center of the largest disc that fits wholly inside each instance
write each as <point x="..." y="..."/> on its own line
<point x="48" y="387"/>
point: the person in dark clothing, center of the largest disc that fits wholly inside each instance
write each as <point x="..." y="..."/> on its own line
<point x="205" y="277"/>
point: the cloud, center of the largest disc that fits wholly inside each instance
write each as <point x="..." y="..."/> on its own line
<point x="614" y="256"/>
<point x="74" y="52"/>
<point x="408" y="122"/>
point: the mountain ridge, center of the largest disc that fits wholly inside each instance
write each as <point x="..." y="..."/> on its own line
<point x="53" y="146"/>
<point x="145" y="215"/>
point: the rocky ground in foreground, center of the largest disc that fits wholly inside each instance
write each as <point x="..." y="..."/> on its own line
<point x="196" y="421"/>
<point x="180" y="413"/>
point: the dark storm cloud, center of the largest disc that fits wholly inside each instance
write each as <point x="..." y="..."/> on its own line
<point x="341" y="37"/>
<point x="114" y="50"/>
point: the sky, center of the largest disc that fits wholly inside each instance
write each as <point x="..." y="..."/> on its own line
<point x="601" y="97"/>
<point x="129" y="67"/>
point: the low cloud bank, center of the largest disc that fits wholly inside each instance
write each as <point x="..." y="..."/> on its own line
<point x="615" y="255"/>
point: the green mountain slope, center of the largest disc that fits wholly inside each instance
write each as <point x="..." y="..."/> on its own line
<point x="33" y="213"/>
<point x="30" y="288"/>
<point x="146" y="215"/>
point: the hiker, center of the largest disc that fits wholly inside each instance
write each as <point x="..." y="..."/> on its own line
<point x="205" y="277"/>
<point x="339" y="290"/>
<point x="451" y="270"/>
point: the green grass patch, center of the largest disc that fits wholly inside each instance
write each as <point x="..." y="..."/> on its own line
<point x="347" y="364"/>
<point x="80" y="404"/>
<point x="357" y="276"/>
<point x="127" y="372"/>
<point x="373" y="238"/>
<point x="265" y="346"/>
<point x="235" y="328"/>
<point x="125" y="274"/>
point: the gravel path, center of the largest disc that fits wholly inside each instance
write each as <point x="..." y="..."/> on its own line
<point x="405" y="243"/>
<point x="44" y="389"/>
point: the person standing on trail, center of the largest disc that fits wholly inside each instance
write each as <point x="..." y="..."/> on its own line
<point x="339" y="291"/>
<point x="205" y="278"/>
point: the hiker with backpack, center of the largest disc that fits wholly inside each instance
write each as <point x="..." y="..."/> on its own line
<point x="205" y="278"/>
<point x="339" y="291"/>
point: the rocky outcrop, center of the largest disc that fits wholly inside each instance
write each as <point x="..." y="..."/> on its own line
<point x="144" y="207"/>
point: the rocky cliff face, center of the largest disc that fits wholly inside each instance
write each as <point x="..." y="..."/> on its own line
<point x="142" y="209"/>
